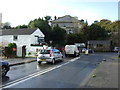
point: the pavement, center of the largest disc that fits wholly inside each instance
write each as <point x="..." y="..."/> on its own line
<point x="104" y="76"/>
<point x="19" y="61"/>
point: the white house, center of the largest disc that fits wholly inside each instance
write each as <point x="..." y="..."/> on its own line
<point x="24" y="39"/>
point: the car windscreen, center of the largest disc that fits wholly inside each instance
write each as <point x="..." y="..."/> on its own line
<point x="44" y="51"/>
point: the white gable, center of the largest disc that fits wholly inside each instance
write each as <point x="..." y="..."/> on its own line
<point x="22" y="40"/>
<point x="38" y="33"/>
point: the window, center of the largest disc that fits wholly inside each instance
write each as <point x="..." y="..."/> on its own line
<point x="44" y="51"/>
<point x="15" y="38"/>
<point x="90" y="45"/>
<point x="64" y="25"/>
<point x="99" y="45"/>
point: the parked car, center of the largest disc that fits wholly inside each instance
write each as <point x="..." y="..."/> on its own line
<point x="4" y="68"/>
<point x="49" y="55"/>
<point x="71" y="50"/>
<point x="83" y="50"/>
<point x="90" y="50"/>
<point x="116" y="49"/>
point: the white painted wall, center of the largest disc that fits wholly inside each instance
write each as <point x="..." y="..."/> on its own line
<point x="38" y="33"/>
<point x="33" y="50"/>
<point x="23" y="40"/>
<point x="6" y="39"/>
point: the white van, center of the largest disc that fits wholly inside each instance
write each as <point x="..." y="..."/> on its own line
<point x="71" y="50"/>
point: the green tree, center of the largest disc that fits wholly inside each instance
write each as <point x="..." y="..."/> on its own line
<point x="97" y="33"/>
<point x="21" y="26"/>
<point x="43" y="25"/>
<point x="114" y="26"/>
<point x="105" y="23"/>
<point x="10" y="51"/>
<point x="6" y="25"/>
<point x="74" y="38"/>
<point x="58" y="35"/>
<point x="85" y="33"/>
<point x="115" y="33"/>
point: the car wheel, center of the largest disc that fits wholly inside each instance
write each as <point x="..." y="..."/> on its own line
<point x="78" y="54"/>
<point x="53" y="61"/>
<point x="66" y="55"/>
<point x="61" y="59"/>
<point x="4" y="71"/>
<point x="39" y="62"/>
<point x="75" y="54"/>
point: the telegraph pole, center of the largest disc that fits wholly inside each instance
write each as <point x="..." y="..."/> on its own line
<point x="119" y="28"/>
<point x="0" y="20"/>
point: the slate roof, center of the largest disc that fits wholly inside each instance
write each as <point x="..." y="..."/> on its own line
<point x="17" y="31"/>
<point x="65" y="19"/>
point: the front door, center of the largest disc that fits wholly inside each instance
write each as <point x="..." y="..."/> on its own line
<point x="23" y="51"/>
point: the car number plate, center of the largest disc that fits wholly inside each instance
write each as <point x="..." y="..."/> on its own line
<point x="42" y="59"/>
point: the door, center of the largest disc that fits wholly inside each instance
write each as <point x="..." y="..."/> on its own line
<point x="23" y="51"/>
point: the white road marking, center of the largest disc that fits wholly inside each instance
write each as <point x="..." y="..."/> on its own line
<point x="10" y="84"/>
<point x="74" y="59"/>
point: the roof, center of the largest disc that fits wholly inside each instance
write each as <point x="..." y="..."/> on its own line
<point x="17" y="31"/>
<point x="66" y="18"/>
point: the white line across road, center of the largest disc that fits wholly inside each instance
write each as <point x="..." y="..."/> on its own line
<point x="10" y="84"/>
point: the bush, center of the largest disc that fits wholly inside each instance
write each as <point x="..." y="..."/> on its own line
<point x="29" y="53"/>
<point x="10" y="51"/>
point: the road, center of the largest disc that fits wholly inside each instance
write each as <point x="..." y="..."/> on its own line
<point x="68" y="74"/>
<point x="19" y="71"/>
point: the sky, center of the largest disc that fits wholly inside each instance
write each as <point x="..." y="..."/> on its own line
<point x="19" y="12"/>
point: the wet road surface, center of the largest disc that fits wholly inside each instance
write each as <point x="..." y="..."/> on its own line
<point x="70" y="75"/>
<point x="19" y="71"/>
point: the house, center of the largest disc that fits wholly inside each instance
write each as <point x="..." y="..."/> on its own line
<point x="100" y="45"/>
<point x="25" y="39"/>
<point x="67" y="22"/>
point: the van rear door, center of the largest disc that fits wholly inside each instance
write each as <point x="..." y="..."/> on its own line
<point x="69" y="49"/>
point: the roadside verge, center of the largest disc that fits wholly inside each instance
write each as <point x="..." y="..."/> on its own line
<point x="104" y="76"/>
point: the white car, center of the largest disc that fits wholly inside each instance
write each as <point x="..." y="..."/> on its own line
<point x="49" y="55"/>
<point x="71" y="50"/>
<point x="116" y="49"/>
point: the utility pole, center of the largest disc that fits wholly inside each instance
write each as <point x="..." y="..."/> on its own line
<point x="119" y="28"/>
<point x="0" y="20"/>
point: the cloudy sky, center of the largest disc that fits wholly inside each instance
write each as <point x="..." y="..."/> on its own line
<point x="19" y="12"/>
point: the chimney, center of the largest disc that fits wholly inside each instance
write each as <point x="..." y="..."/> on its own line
<point x="55" y="18"/>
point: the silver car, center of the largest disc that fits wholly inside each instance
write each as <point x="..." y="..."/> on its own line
<point x="49" y="55"/>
